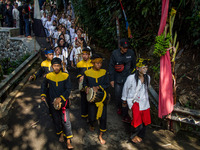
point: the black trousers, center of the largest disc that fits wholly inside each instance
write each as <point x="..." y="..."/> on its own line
<point x="22" y="27"/>
<point x="92" y="116"/>
<point x="10" y="23"/>
<point x="84" y="105"/>
<point x="118" y="94"/>
<point x="1" y="20"/>
<point x="138" y="131"/>
<point x="60" y="125"/>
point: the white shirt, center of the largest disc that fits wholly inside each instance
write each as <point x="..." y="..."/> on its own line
<point x="60" y="56"/>
<point x="72" y="54"/>
<point x="44" y="20"/>
<point x="56" y="44"/>
<point x="72" y="33"/>
<point x="132" y="93"/>
<point x="68" y="24"/>
<point x="73" y="40"/>
<point x="90" y="51"/>
<point x="85" y="36"/>
<point x="77" y="54"/>
<point x="76" y="36"/>
<point x="63" y="21"/>
<point x="52" y="30"/>
<point x="48" y="24"/>
<point x="55" y="34"/>
<point x="42" y="11"/>
<point x="67" y="38"/>
<point x="54" y="17"/>
<point x="18" y="3"/>
<point x="15" y="14"/>
<point x="65" y="54"/>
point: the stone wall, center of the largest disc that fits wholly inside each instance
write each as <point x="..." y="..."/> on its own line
<point x="13" y="49"/>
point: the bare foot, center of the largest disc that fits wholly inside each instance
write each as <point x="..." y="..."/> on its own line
<point x="135" y="140"/>
<point x="139" y="139"/>
<point x="61" y="139"/>
<point x="29" y="36"/>
<point x="102" y="141"/>
<point x="69" y="145"/>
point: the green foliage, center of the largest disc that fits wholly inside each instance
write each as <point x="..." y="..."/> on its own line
<point x="9" y="66"/>
<point x="155" y="68"/>
<point x="194" y="20"/>
<point x="188" y="21"/>
<point x="162" y="43"/>
<point x="98" y="18"/>
<point x="156" y="71"/>
<point x="188" y="105"/>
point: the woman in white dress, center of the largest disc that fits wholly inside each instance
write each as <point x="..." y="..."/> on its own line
<point x="135" y="94"/>
<point x="63" y="19"/>
<point x="58" y="54"/>
<point x="48" y="24"/>
<point x="63" y="48"/>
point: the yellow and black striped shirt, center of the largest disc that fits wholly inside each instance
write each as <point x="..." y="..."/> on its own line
<point x="96" y="78"/>
<point x="82" y="66"/>
<point x="57" y="85"/>
<point x="44" y="69"/>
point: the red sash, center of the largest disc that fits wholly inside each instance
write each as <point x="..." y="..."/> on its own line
<point x="64" y="112"/>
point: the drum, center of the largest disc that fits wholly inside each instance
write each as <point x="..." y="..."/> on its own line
<point x="80" y="87"/>
<point x="97" y="96"/>
<point x="57" y="107"/>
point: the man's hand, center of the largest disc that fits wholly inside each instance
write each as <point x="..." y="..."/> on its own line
<point x="57" y="101"/>
<point x="31" y="78"/>
<point x="124" y="104"/>
<point x="43" y="98"/>
<point x="81" y="78"/>
<point x="87" y="90"/>
<point x="112" y="83"/>
<point x="95" y="88"/>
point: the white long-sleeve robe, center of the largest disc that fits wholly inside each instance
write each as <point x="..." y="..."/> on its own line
<point x="132" y="93"/>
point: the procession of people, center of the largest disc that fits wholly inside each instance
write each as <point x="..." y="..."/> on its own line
<point x="70" y="50"/>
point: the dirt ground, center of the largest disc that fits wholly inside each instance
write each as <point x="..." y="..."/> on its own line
<point x="31" y="128"/>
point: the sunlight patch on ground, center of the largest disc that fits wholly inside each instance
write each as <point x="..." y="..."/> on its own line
<point x="167" y="140"/>
<point x="34" y="86"/>
<point x="18" y="130"/>
<point x="72" y="117"/>
<point x="19" y="94"/>
<point x="127" y="146"/>
<point x="37" y="141"/>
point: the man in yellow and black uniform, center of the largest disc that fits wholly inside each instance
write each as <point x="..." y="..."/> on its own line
<point x="45" y="65"/>
<point x="97" y="79"/>
<point x="44" y="69"/>
<point x="82" y="66"/>
<point x="59" y="87"/>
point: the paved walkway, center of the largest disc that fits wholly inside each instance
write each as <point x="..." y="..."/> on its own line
<point x="31" y="128"/>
